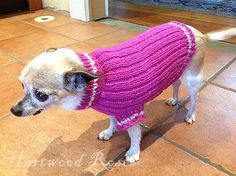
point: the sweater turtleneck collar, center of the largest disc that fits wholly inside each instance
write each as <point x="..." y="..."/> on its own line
<point x="93" y="88"/>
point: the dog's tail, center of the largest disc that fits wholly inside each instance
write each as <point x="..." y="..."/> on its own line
<point x="221" y="35"/>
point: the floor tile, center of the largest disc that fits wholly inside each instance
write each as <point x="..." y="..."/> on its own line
<point x="81" y="32"/>
<point x="16" y="28"/>
<point x="26" y="47"/>
<point x="113" y="38"/>
<point x="161" y="158"/>
<point x="5" y="59"/>
<point x="60" y="20"/>
<point x="5" y="20"/>
<point x="214" y="132"/>
<point x="228" y="77"/>
<point x="81" y="47"/>
<point x="53" y="136"/>
<point x="124" y="25"/>
<point x="10" y="87"/>
<point x="215" y="60"/>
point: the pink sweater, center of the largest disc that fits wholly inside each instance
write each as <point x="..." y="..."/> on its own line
<point x="137" y="71"/>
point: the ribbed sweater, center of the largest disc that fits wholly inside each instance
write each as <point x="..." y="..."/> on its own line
<point x="137" y="71"/>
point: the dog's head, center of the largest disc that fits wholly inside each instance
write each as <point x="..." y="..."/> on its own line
<point x="54" y="78"/>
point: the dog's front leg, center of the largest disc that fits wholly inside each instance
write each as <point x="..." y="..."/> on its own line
<point x="135" y="134"/>
<point x="107" y="134"/>
<point x="173" y="101"/>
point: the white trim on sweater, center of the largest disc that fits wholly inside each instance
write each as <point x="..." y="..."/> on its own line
<point x="95" y="84"/>
<point x="186" y="33"/>
<point x="129" y="119"/>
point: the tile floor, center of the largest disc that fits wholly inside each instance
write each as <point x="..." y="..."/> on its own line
<point x="58" y="142"/>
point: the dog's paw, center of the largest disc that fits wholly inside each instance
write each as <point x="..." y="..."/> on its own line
<point x="171" y="102"/>
<point x="131" y="156"/>
<point x="190" y="118"/>
<point x="105" y="135"/>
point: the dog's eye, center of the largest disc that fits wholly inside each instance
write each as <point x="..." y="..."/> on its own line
<point x="22" y="85"/>
<point x="41" y="96"/>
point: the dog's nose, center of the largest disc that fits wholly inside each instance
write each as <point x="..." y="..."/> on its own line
<point x="17" y="111"/>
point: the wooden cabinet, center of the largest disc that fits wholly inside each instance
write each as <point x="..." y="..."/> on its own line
<point x="7" y="6"/>
<point x="35" y="4"/>
<point x="13" y="5"/>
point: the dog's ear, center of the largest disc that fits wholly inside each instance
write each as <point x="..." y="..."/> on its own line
<point x="51" y="50"/>
<point x="76" y="80"/>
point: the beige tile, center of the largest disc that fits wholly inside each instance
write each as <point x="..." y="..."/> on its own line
<point x="161" y="158"/>
<point x="228" y="77"/>
<point x="215" y="60"/>
<point x="5" y="59"/>
<point x="16" y="28"/>
<point x="81" y="47"/>
<point x="113" y="38"/>
<point x="82" y="32"/>
<point x="26" y="47"/>
<point x="57" y="135"/>
<point x="10" y="87"/>
<point x="5" y="20"/>
<point x="214" y="132"/>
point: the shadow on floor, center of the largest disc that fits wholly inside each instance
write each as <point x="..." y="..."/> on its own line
<point x="77" y="157"/>
<point x="160" y="129"/>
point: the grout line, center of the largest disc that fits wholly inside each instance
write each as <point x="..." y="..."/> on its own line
<point x="12" y="56"/>
<point x="108" y="166"/>
<point x="5" y="116"/>
<point x="90" y="44"/>
<point x="67" y="45"/>
<point x="194" y="154"/>
<point x="22" y="35"/>
<point x="170" y="113"/>
<point x="102" y="35"/>
<point x="220" y="71"/>
<point x="48" y="30"/>
<point x="85" y="42"/>
<point x="10" y="63"/>
<point x="223" y="87"/>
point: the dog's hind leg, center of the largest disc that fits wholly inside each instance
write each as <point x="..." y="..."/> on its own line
<point x="107" y="134"/>
<point x="192" y="78"/>
<point x="193" y="83"/>
<point x="173" y="101"/>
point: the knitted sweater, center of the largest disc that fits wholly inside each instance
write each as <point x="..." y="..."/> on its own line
<point x="137" y="71"/>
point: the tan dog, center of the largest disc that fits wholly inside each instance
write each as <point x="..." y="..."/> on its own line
<point x="47" y="84"/>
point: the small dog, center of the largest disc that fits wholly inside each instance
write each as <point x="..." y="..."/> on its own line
<point x="120" y="87"/>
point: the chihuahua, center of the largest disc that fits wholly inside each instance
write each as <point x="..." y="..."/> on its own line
<point x="59" y="78"/>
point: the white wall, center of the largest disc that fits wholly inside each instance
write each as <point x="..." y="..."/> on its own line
<point x="57" y="4"/>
